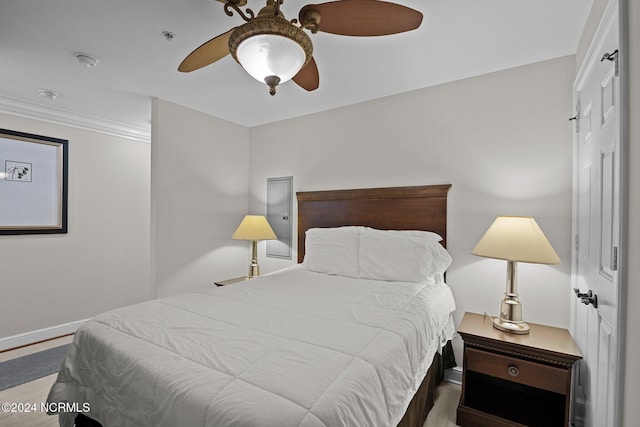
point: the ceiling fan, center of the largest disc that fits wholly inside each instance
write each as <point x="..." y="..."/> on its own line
<point x="274" y="50"/>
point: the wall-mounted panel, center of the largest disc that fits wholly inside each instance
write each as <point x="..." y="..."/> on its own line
<point x="279" y="206"/>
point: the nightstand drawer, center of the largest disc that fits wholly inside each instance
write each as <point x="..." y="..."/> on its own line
<point x="517" y="370"/>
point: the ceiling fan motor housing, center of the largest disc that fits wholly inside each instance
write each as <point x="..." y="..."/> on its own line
<point x="270" y="24"/>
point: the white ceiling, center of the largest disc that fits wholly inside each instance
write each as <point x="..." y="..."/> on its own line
<point x="457" y="39"/>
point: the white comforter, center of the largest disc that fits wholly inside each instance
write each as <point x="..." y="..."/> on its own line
<point x="291" y="348"/>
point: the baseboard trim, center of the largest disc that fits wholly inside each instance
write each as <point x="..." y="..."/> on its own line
<point x="453" y="375"/>
<point x="39" y="335"/>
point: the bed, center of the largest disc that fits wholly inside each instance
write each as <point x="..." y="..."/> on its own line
<point x="304" y="346"/>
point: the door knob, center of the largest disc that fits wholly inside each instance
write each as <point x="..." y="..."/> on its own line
<point x="580" y="294"/>
<point x="591" y="299"/>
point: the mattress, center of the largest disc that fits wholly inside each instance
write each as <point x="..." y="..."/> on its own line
<point x="290" y="348"/>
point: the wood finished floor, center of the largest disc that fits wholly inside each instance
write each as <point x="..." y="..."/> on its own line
<point x="443" y="413"/>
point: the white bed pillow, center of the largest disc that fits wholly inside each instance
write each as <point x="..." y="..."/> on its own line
<point x="429" y="235"/>
<point x="402" y="256"/>
<point x="332" y="250"/>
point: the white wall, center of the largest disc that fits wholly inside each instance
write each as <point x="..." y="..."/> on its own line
<point x="503" y="140"/>
<point x="102" y="262"/>
<point x="199" y="187"/>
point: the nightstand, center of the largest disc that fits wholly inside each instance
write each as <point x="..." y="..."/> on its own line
<point x="231" y="281"/>
<point x="515" y="380"/>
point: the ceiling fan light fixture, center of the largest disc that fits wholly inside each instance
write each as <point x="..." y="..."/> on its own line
<point x="268" y="46"/>
<point x="265" y="55"/>
<point x="271" y="49"/>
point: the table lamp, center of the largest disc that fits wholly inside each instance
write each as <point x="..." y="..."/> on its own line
<point x="514" y="239"/>
<point x="254" y="228"/>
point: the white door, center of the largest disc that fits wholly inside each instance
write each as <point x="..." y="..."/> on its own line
<point x="596" y="220"/>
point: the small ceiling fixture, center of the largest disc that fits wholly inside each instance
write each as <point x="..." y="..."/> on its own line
<point x="49" y="94"/>
<point x="274" y="50"/>
<point x="168" y="35"/>
<point x="86" y="60"/>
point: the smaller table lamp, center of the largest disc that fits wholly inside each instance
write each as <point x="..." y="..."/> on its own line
<point x="254" y="228"/>
<point x="514" y="238"/>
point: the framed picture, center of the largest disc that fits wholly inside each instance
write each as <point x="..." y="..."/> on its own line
<point x="33" y="183"/>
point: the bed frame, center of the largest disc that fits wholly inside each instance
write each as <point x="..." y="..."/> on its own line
<point x="392" y="208"/>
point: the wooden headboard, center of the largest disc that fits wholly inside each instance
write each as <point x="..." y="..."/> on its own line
<point x="393" y="208"/>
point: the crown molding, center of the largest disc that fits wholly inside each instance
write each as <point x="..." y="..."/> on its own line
<point x="29" y="110"/>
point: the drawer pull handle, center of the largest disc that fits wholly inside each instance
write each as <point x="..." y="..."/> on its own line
<point x="513" y="371"/>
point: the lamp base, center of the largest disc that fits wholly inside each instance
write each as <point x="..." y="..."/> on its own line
<point x="510" y="319"/>
<point x="519" y="328"/>
<point x="254" y="270"/>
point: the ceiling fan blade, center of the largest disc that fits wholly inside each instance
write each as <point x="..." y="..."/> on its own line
<point x="308" y="77"/>
<point x="363" y="17"/>
<point x="208" y="53"/>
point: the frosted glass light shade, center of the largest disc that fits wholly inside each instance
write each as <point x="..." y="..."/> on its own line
<point x="270" y="55"/>
<point x="516" y="238"/>
<point x="254" y="227"/>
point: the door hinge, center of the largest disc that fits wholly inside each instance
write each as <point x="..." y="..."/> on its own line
<point x="614" y="261"/>
<point x="613" y="56"/>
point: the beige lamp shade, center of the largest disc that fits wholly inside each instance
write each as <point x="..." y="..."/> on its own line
<point x="516" y="238"/>
<point x="254" y="227"/>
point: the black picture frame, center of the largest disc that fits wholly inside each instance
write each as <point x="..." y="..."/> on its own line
<point x="34" y="178"/>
